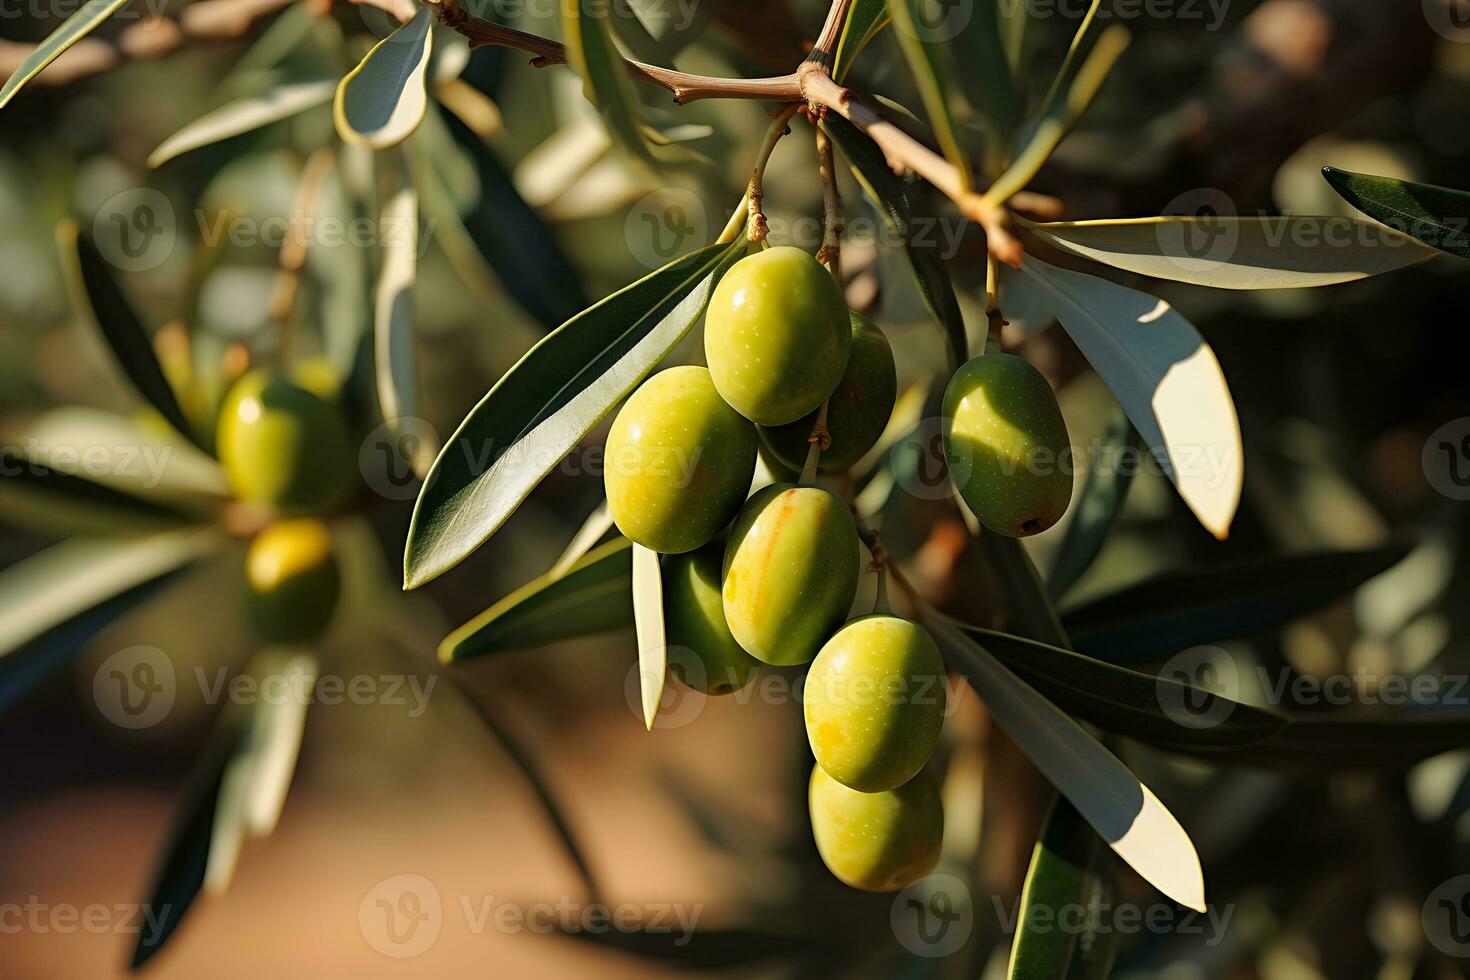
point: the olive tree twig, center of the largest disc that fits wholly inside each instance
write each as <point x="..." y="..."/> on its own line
<point x="757" y="229"/>
<point x="830" y="254"/>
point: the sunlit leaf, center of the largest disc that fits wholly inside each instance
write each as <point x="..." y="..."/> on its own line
<point x="1166" y="378"/>
<point x="1120" y="808"/>
<point x="1437" y="216"/>
<point x="547" y="403"/>
<point x="45" y="501"/>
<point x="593" y="530"/>
<point x="592" y="596"/>
<point x="242" y="116"/>
<point x="592" y="54"/>
<point x="891" y="198"/>
<point x="1192" y="606"/>
<point x="1239" y="253"/>
<point x="73" y="29"/>
<point x="382" y="101"/>
<point x="397" y="365"/>
<point x="648" y="620"/>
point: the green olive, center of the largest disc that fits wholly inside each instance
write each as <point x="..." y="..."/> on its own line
<point x="874" y="701"/>
<point x="857" y="412"/>
<point x="678" y="462"/>
<point x="694" y="623"/>
<point x="1006" y="445"/>
<point x="294" y="580"/>
<point x="776" y="336"/>
<point x="879" y="842"/>
<point x="283" y="445"/>
<point x="791" y="572"/>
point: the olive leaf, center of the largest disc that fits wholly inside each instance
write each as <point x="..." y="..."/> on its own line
<point x="648" y="620"/>
<point x="1286" y="252"/>
<point x="397" y="365"/>
<point x="1166" y="378"/>
<point x="511" y="236"/>
<point x="592" y="54"/>
<point x="1188" y="607"/>
<point x="547" y="403"/>
<point x="97" y="293"/>
<point x="589" y="597"/>
<point x="891" y="198"/>
<point x="988" y="83"/>
<point x="1437" y="216"/>
<point x="243" y="116"/>
<point x="53" y="601"/>
<point x="87" y="18"/>
<point x="46" y="501"/>
<point x="931" y="74"/>
<point x="865" y="19"/>
<point x="593" y="530"/>
<point x="382" y="101"/>
<point x="1070" y="869"/>
<point x="1098" y="505"/>
<point x="1120" y="808"/>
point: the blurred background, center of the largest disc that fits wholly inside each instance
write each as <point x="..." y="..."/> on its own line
<point x="1313" y="871"/>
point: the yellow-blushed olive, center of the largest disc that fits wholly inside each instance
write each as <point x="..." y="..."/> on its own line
<point x="293" y="578"/>
<point x="694" y="624"/>
<point x="1006" y="445"/>
<point x="791" y="572"/>
<point x="283" y="445"/>
<point x="776" y="335"/>
<point x="879" y="842"/>
<point x="874" y="702"/>
<point x="857" y="412"/>
<point x="678" y="462"/>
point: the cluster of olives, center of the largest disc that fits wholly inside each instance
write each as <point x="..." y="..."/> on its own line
<point x="772" y="579"/>
<point x="285" y="447"/>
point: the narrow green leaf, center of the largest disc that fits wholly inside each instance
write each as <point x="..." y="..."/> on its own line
<point x="59" y="504"/>
<point x="891" y="198"/>
<point x="593" y="530"/>
<point x="397" y="366"/>
<point x="592" y="596"/>
<point x="1069" y="870"/>
<point x="1287" y="252"/>
<point x="592" y="54"/>
<point x="546" y="404"/>
<point x="87" y="18"/>
<point x="987" y="80"/>
<point x="1070" y="97"/>
<point x="244" y="115"/>
<point x="648" y="619"/>
<point x="925" y="56"/>
<point x="382" y="101"/>
<point x="1014" y="17"/>
<point x="865" y="19"/>
<point x="514" y="239"/>
<point x="1098" y="506"/>
<point x="1120" y="808"/>
<point x="1437" y="216"/>
<point x="1166" y="378"/>
<point x="1188" y="607"/>
<point x="94" y="285"/>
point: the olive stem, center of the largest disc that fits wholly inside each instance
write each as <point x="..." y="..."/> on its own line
<point x="994" y="321"/>
<point x="819" y="440"/>
<point x="757" y="229"/>
<point x="830" y="254"/>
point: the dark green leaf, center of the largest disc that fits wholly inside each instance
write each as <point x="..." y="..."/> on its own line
<point x="1098" y="507"/>
<point x="40" y="499"/>
<point x="864" y="20"/>
<point x="514" y="240"/>
<point x="593" y="596"/>
<point x="87" y="18"/>
<point x="1437" y="216"/>
<point x="895" y="206"/>
<point x="546" y="404"/>
<point x="987" y="82"/>
<point x="122" y="329"/>
<point x="1185" y="608"/>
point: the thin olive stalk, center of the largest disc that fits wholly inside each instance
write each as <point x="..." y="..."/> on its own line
<point x="757" y="229"/>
